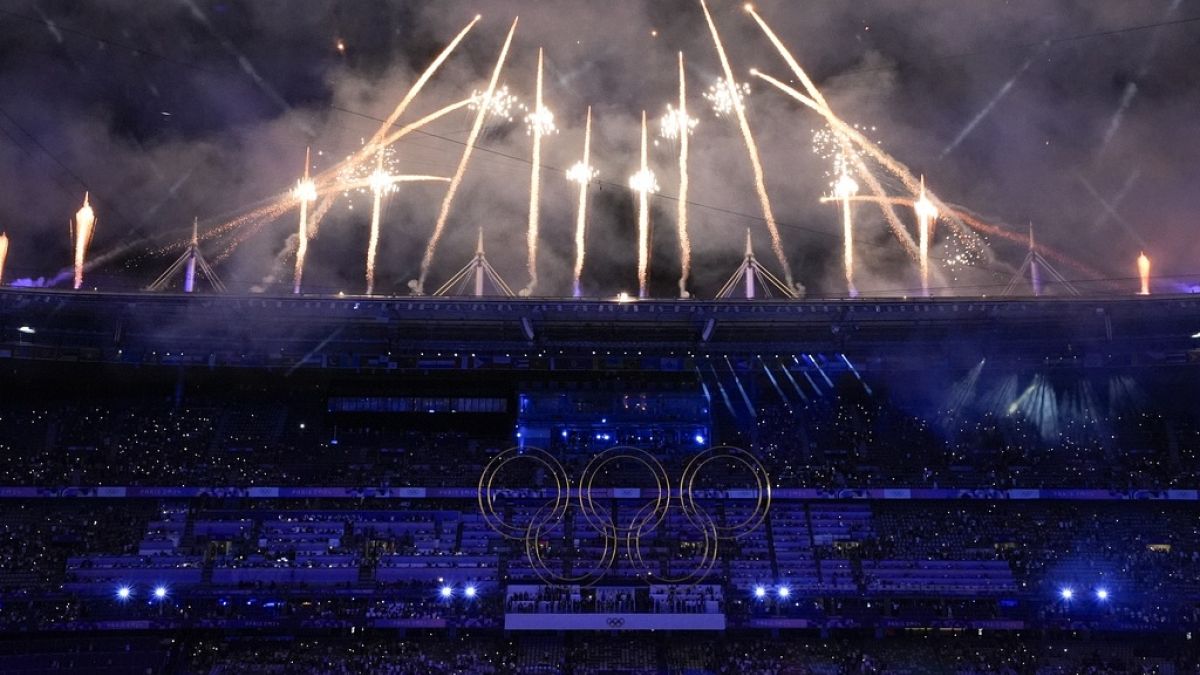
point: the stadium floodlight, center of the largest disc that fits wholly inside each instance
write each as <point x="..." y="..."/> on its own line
<point x="1067" y="593"/>
<point x="760" y="592"/>
<point x="784" y="591"/>
<point x="124" y="592"/>
<point x="160" y="592"/>
<point x="469" y="591"/>
<point x="1101" y="594"/>
<point x="446" y="591"/>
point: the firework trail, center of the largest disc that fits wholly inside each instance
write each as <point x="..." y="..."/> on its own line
<point x="975" y="223"/>
<point x="305" y="193"/>
<point x="752" y="149"/>
<point x="857" y="162"/>
<point x="541" y="121"/>
<point x="843" y="191"/>
<point x="3" y="254"/>
<point x="328" y="183"/>
<point x="643" y="183"/>
<point x="847" y="136"/>
<point x="683" y="128"/>
<point x="372" y="145"/>
<point x="254" y="223"/>
<point x="1143" y="264"/>
<point x="582" y="173"/>
<point x="987" y="109"/>
<point x="448" y="200"/>
<point x="926" y="214"/>
<point x="85" y="224"/>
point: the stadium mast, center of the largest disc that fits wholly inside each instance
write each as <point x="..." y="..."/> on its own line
<point x="1034" y="264"/>
<point x="476" y="276"/>
<point x="191" y="260"/>
<point x="752" y="280"/>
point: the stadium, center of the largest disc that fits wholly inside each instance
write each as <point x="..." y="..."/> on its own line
<point x="1001" y="483"/>
<point x="762" y="397"/>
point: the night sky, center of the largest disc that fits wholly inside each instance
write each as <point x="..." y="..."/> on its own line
<point x="175" y="109"/>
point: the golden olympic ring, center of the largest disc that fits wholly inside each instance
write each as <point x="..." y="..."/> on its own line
<point x="762" y="502"/>
<point x="647" y="519"/>
<point x="562" y="484"/>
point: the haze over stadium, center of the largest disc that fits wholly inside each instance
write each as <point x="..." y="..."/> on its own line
<point x="515" y="337"/>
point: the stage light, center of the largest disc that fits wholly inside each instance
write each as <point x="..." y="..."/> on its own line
<point x="160" y="592"/>
<point x="760" y="592"/>
<point x="27" y="330"/>
<point x="123" y="593"/>
<point x="1067" y="593"/>
<point x="784" y="591"/>
<point x="699" y="438"/>
<point x="1102" y="594"/>
<point x="469" y="591"/>
<point x="447" y="591"/>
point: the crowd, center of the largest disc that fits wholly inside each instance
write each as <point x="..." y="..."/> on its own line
<point x="845" y="435"/>
<point x="1123" y="565"/>
<point x="695" y="655"/>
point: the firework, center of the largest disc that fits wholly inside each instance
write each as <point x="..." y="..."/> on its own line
<point x="499" y="105"/>
<point x="540" y="122"/>
<point x="1143" y="264"/>
<point x="926" y="214"/>
<point x="371" y="146"/>
<point x="472" y="137"/>
<point x="846" y="188"/>
<point x="644" y="183"/>
<point x="680" y="126"/>
<point x="85" y="225"/>
<point x="3" y="254"/>
<point x="305" y="193"/>
<point x="726" y="96"/>
<point x="582" y="173"/>
<point x="751" y="149"/>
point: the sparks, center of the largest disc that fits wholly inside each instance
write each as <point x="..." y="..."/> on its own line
<point x="926" y="214"/>
<point x="582" y="173"/>
<point x="305" y="193"/>
<point x="1143" y="264"/>
<point x="540" y="122"/>
<point x="500" y="104"/>
<point x="675" y="124"/>
<point x="85" y="224"/>
<point x="844" y="190"/>
<point x="644" y="183"/>
<point x="725" y="98"/>
<point x="683" y="126"/>
<point x="3" y="254"/>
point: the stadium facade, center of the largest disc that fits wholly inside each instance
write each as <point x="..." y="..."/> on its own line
<point x="232" y="470"/>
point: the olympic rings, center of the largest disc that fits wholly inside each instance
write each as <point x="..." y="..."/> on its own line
<point x="648" y="518"/>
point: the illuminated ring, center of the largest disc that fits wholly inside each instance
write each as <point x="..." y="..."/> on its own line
<point x="587" y="506"/>
<point x="707" y="560"/>
<point x="486" y="497"/>
<point x="762" y="502"/>
<point x="534" y="554"/>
